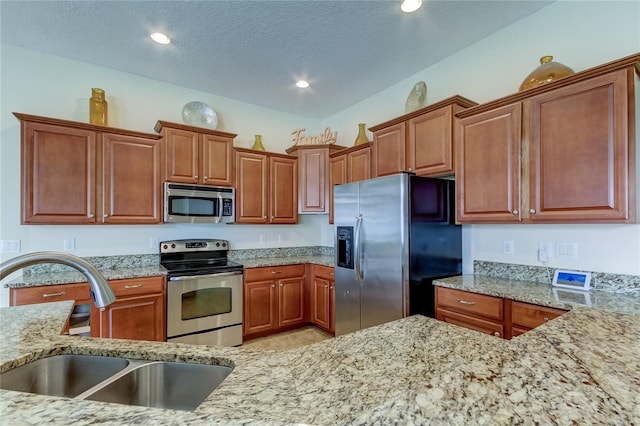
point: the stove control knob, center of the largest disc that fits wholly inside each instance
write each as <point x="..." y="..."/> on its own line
<point x="173" y="246"/>
<point x="164" y="246"/>
<point x="224" y="244"/>
<point x="218" y="244"/>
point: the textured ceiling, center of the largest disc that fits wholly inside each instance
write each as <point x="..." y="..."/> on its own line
<point x="254" y="51"/>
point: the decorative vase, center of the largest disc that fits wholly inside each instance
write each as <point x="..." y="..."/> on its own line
<point x="545" y="73"/>
<point x="98" y="108"/>
<point x="362" y="136"/>
<point x="257" y="144"/>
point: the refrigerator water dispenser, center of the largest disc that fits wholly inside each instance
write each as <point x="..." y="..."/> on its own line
<point x="345" y="246"/>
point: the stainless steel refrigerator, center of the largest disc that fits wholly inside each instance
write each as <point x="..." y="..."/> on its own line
<point x="393" y="236"/>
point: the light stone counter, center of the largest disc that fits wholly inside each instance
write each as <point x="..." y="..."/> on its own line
<point x="543" y="294"/>
<point x="580" y="368"/>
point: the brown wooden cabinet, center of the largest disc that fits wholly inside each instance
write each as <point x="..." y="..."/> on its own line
<point x="490" y="314"/>
<point x="313" y="176"/>
<point x="348" y="165"/>
<point x="139" y="312"/>
<point x="471" y="310"/>
<point x="273" y="300"/>
<point x="197" y="155"/>
<point x="76" y="173"/>
<point x="526" y="316"/>
<point x="323" y="297"/>
<point x="421" y="141"/>
<point x="266" y="187"/>
<point x="563" y="152"/>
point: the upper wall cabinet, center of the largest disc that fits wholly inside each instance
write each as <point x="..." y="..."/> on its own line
<point x="266" y="187"/>
<point x="313" y="176"/>
<point x="77" y="173"/>
<point x="348" y="165"/>
<point x="197" y="155"/>
<point x="421" y="141"/>
<point x="562" y="152"/>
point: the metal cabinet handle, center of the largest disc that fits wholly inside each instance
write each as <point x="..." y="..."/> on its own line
<point x="195" y="177"/>
<point x="515" y="212"/>
<point x="326" y="286"/>
<point x="532" y="211"/>
<point x="331" y="288"/>
<point x="62" y="293"/>
<point x="276" y="272"/>
<point x="281" y="285"/>
<point x="273" y="286"/>
<point x="133" y="286"/>
<point x="497" y="333"/>
<point x="464" y="302"/>
<point x="546" y="319"/>
<point x="90" y="215"/>
<point x="105" y="215"/>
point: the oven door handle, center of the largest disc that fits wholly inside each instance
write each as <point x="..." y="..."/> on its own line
<point x="194" y="277"/>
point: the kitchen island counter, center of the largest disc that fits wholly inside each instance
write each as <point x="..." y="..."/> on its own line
<point x="579" y="368"/>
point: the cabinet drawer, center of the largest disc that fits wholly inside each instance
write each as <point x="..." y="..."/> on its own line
<point x="471" y="303"/>
<point x="131" y="286"/>
<point x="273" y="272"/>
<point x="477" y="324"/>
<point x="326" y="272"/>
<point x="532" y="316"/>
<point x="50" y="293"/>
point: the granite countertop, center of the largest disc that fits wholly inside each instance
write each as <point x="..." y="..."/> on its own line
<point x="53" y="278"/>
<point x="581" y="367"/>
<point x="544" y="294"/>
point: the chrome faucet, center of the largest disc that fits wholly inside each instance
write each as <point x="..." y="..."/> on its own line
<point x="100" y="290"/>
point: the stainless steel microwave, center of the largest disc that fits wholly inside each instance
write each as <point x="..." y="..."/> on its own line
<point x="198" y="203"/>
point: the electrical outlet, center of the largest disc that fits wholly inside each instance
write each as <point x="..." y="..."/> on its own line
<point x="545" y="251"/>
<point x="10" y="246"/>
<point x="280" y="238"/>
<point x="69" y="244"/>
<point x="263" y="239"/>
<point x="507" y="247"/>
<point x="153" y="242"/>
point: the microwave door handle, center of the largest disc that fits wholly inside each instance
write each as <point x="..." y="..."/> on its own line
<point x="221" y="205"/>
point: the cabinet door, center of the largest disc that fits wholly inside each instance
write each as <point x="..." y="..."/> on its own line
<point x="359" y="165"/>
<point x="260" y="309"/>
<point x="131" y="182"/>
<point x="58" y="174"/>
<point x="216" y="160"/>
<point x="136" y="318"/>
<point x="338" y="176"/>
<point x="283" y="190"/>
<point x="252" y="177"/>
<point x="320" y="306"/>
<point x="430" y="144"/>
<point x="579" y="152"/>
<point x="389" y="151"/>
<point x="313" y="184"/>
<point x="488" y="166"/>
<point x="182" y="155"/>
<point x="291" y="302"/>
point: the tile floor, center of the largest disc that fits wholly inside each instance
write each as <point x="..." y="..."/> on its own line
<point x="289" y="339"/>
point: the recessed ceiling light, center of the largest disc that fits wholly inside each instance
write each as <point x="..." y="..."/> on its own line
<point x="410" y="5"/>
<point x="303" y="84"/>
<point x="160" y="38"/>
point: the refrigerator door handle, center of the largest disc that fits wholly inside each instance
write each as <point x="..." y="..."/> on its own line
<point x="357" y="249"/>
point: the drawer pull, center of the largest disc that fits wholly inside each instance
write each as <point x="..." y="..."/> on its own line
<point x="546" y="319"/>
<point x="497" y="333"/>
<point x="133" y="286"/>
<point x="62" y="293"/>
<point x="464" y="302"/>
<point x="276" y="272"/>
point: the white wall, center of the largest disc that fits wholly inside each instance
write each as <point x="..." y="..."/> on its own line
<point x="580" y="34"/>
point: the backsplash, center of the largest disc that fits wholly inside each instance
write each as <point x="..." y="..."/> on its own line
<point x="143" y="260"/>
<point x="600" y="281"/>
<point x="100" y="262"/>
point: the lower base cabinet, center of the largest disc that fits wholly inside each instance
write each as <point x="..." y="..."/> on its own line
<point x="273" y="300"/>
<point x="323" y="298"/>
<point x="489" y="314"/>
<point x="139" y="312"/>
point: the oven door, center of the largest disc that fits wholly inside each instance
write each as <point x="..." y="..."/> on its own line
<point x="204" y="303"/>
